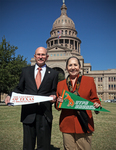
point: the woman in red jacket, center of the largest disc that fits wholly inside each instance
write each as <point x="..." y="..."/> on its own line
<point x="77" y="125"/>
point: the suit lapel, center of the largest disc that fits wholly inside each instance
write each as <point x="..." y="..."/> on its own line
<point x="32" y="76"/>
<point x="47" y="72"/>
<point x="45" y="76"/>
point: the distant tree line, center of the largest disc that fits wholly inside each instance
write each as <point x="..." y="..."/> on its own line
<point x="10" y="66"/>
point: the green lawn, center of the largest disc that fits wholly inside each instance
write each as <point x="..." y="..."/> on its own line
<point x="11" y="136"/>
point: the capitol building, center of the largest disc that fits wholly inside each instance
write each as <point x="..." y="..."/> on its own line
<point x="64" y="43"/>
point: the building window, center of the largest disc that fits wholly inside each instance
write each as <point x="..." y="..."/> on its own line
<point x="67" y="41"/>
<point x="62" y="32"/>
<point x="100" y="87"/>
<point x="66" y="32"/>
<point x="76" y="45"/>
<point x="111" y="79"/>
<point x="100" y="96"/>
<point x="51" y="43"/>
<point x="110" y="86"/>
<point x="111" y="95"/>
<point x="56" y="41"/>
<point x="71" y="42"/>
<point x="69" y="32"/>
<point x="61" y="41"/>
<point x="114" y="78"/>
<point x="100" y="79"/>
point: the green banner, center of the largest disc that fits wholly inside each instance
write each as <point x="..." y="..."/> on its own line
<point x="72" y="101"/>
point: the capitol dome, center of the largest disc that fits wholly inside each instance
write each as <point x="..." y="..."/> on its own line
<point x="64" y="34"/>
<point x="63" y="21"/>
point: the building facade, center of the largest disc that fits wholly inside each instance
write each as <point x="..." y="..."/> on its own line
<point x="64" y="43"/>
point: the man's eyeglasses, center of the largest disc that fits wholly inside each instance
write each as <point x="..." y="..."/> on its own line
<point x="41" y="55"/>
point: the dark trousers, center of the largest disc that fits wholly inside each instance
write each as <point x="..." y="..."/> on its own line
<point x="41" y="129"/>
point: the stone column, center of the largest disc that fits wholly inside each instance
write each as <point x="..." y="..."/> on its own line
<point x="74" y="44"/>
<point x="77" y="47"/>
<point x="69" y="43"/>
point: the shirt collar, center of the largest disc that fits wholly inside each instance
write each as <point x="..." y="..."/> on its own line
<point x="36" y="66"/>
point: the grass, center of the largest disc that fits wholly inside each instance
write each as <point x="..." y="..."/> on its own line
<point x="11" y="134"/>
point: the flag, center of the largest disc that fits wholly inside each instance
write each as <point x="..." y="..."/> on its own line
<point x="72" y="101"/>
<point x="25" y="99"/>
<point x="59" y="34"/>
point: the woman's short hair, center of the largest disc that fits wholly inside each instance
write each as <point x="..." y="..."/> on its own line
<point x="73" y="57"/>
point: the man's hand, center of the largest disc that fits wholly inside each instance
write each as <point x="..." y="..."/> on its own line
<point x="7" y="100"/>
<point x="54" y="98"/>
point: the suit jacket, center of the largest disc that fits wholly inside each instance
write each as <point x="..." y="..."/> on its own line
<point x="27" y="85"/>
<point x="69" y="122"/>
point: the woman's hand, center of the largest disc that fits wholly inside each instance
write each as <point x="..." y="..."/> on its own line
<point x="59" y="99"/>
<point x="96" y="105"/>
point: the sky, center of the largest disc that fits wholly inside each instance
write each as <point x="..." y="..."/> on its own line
<point x="27" y="25"/>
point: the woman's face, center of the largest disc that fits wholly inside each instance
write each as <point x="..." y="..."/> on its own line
<point x="73" y="67"/>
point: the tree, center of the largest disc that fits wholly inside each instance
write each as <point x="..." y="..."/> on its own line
<point x="10" y="66"/>
<point x="60" y="76"/>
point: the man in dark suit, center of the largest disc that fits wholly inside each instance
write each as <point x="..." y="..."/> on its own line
<point x="37" y="118"/>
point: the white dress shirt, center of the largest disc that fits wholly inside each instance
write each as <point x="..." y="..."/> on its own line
<point x="42" y="71"/>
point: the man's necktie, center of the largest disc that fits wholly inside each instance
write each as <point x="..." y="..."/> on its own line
<point x="38" y="78"/>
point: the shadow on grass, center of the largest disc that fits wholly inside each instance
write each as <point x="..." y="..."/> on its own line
<point x="54" y="148"/>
